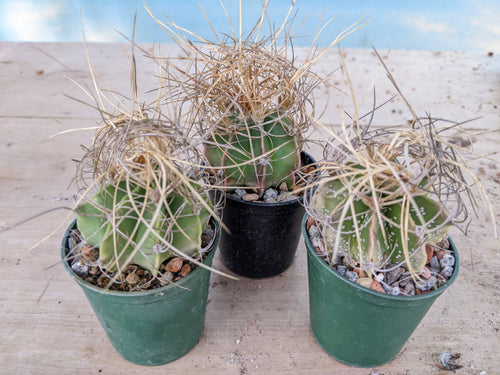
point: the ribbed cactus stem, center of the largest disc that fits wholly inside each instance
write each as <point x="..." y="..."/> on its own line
<point x="255" y="155"/>
<point x="129" y="226"/>
<point x="398" y="235"/>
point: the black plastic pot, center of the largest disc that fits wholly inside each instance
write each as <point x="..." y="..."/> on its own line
<point x="263" y="237"/>
<point x="151" y="327"/>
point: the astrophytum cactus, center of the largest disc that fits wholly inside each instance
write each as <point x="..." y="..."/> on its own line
<point x="378" y="231"/>
<point x="255" y="155"/>
<point x="133" y="225"/>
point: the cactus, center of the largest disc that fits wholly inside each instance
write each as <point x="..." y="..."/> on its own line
<point x="352" y="225"/>
<point x="110" y="221"/>
<point x="255" y="155"/>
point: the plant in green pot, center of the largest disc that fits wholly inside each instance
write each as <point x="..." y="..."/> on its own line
<point x="145" y="234"/>
<point x="376" y="235"/>
<point x="255" y="106"/>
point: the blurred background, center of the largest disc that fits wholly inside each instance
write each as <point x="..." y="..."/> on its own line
<point x="436" y="25"/>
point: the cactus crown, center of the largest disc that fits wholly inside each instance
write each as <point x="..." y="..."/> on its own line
<point x="254" y="99"/>
<point x="388" y="196"/>
<point x="254" y="109"/>
<point x="144" y="202"/>
<point x="385" y="194"/>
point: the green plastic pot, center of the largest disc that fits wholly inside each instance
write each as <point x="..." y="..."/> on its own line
<point x="151" y="327"/>
<point x="356" y="325"/>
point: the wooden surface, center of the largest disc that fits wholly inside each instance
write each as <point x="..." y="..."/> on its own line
<point x="252" y="326"/>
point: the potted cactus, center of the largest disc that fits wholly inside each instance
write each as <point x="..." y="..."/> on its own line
<point x="142" y="208"/>
<point x="376" y="235"/>
<point x="253" y="123"/>
<point x="255" y="107"/>
<point x="145" y="233"/>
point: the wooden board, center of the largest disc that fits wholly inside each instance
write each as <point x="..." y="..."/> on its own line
<point x="252" y="326"/>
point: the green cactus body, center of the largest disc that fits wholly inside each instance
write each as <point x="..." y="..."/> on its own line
<point x="378" y="241"/>
<point x="415" y="248"/>
<point x="435" y="218"/>
<point x="256" y="156"/>
<point x="91" y="216"/>
<point x="360" y="234"/>
<point x="117" y="236"/>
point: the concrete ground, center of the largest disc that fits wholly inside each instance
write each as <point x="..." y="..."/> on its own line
<point x="252" y="326"/>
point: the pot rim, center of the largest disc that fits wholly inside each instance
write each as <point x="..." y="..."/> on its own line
<point x="142" y="293"/>
<point x="362" y="289"/>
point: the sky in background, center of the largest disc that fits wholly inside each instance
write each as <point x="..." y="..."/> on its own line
<point x="446" y="25"/>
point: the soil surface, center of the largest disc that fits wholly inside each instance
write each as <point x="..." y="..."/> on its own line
<point x="84" y="261"/>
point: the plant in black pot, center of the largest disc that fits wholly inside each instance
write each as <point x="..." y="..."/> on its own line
<point x="253" y="121"/>
<point x="255" y="106"/>
<point x="145" y="234"/>
<point x="376" y="235"/>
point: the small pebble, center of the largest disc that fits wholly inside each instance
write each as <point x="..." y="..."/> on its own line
<point x="341" y="270"/>
<point x="79" y="269"/>
<point x="435" y="262"/>
<point x="285" y="197"/>
<point x="387" y="288"/>
<point x="435" y="271"/>
<point x="270" y="195"/>
<point x="403" y="281"/>
<point x="447" y="260"/>
<point x="442" y="253"/>
<point x="351" y="276"/>
<point x="186" y="270"/>
<point x="396" y="291"/>
<point x="166" y="278"/>
<point x="444" y="244"/>
<point x="314" y="232"/>
<point x="365" y="281"/>
<point x="132" y="278"/>
<point x="250" y="197"/>
<point x="447" y="272"/>
<point x="409" y="289"/>
<point x="360" y="273"/>
<point x="174" y="265"/>
<point x="376" y="286"/>
<point x="425" y="285"/>
<point x="392" y="276"/>
<point x="240" y="193"/>
<point x="317" y="242"/>
<point x="283" y="187"/>
<point x="426" y="273"/>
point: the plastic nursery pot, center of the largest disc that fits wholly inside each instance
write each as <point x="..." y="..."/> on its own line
<point x="156" y="326"/>
<point x="356" y="325"/>
<point x="263" y="237"/>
